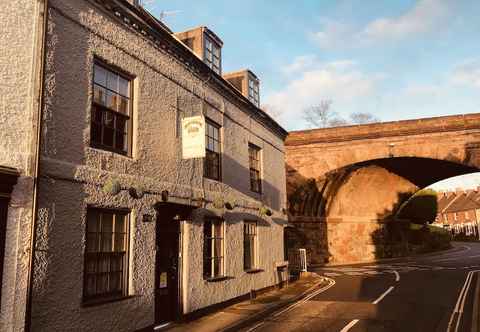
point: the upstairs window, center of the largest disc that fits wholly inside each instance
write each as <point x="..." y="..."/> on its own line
<point x="253" y="94"/>
<point x="212" y="166"/>
<point x="111" y="111"/>
<point x="254" y="161"/>
<point x="213" y="251"/>
<point x="213" y="55"/>
<point x="106" y="254"/>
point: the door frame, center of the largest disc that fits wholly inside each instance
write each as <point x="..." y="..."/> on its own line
<point x="8" y="179"/>
<point x="177" y="213"/>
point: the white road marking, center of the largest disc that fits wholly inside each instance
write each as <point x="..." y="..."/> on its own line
<point x="458" y="309"/>
<point x="331" y="283"/>
<point x="474" y="256"/>
<point x="383" y="295"/>
<point x="355" y="321"/>
<point x="397" y="275"/>
<point x="354" y="273"/>
<point x="349" y="325"/>
<point x="332" y="274"/>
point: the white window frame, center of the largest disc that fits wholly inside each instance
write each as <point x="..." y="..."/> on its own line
<point x="212" y="256"/>
<point x="255" y="263"/>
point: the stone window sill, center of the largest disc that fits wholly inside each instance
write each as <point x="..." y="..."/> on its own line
<point x="252" y="271"/>
<point x="217" y="279"/>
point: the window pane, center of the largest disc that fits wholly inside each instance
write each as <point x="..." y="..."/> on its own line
<point x="108" y="134"/>
<point x="112" y="81"/>
<point x="218" y="230"/>
<point x="116" y="262"/>
<point x="100" y="75"/>
<point x="123" y="105"/>
<point x="92" y="242"/>
<point x="115" y="282"/>
<point x="217" y="268"/>
<point x="210" y="130"/>
<point x="123" y="87"/>
<point x="99" y="95"/>
<point x="102" y="283"/>
<point x="103" y="263"/>
<point x="218" y="252"/>
<point x="91" y="264"/>
<point x="112" y="100"/>
<point x="119" y="242"/>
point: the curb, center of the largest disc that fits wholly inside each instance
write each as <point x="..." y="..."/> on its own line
<point x="266" y="312"/>
<point x="386" y="260"/>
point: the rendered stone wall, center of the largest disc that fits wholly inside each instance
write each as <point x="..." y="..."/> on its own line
<point x="19" y="68"/>
<point x="73" y="174"/>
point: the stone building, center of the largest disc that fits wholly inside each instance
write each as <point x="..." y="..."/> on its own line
<point x="128" y="234"/>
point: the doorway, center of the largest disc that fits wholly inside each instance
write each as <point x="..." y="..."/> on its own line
<point x="168" y="262"/>
<point x="8" y="179"/>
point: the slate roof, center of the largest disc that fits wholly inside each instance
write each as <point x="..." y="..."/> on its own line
<point x="464" y="202"/>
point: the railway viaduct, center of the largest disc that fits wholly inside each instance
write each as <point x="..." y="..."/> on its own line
<point x="346" y="183"/>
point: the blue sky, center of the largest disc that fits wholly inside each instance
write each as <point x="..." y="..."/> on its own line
<point x="395" y="59"/>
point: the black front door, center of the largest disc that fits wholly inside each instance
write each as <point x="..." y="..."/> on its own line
<point x="167" y="267"/>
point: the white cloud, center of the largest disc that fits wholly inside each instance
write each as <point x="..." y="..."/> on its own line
<point x="334" y="34"/>
<point x="340" y="81"/>
<point x="424" y="17"/>
<point x="300" y="63"/>
<point x="467" y="73"/>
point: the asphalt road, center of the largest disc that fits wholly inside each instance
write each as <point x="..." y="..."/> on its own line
<point x="429" y="293"/>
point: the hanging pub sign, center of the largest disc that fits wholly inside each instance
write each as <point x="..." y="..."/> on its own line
<point x="193" y="137"/>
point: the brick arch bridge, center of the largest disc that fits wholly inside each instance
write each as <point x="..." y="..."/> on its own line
<point x="346" y="183"/>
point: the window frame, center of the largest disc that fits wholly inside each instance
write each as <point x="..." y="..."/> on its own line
<point x="208" y="151"/>
<point x="254" y="238"/>
<point x="254" y="91"/>
<point x="103" y="108"/>
<point x="258" y="151"/>
<point x="124" y="292"/>
<point x="209" y="258"/>
<point x="206" y="52"/>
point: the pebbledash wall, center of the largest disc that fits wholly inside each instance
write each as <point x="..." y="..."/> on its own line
<point x="72" y="174"/>
<point x="20" y="39"/>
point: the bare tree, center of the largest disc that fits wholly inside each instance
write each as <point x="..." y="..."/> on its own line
<point x="363" y="118"/>
<point x="319" y="115"/>
<point x="338" y="122"/>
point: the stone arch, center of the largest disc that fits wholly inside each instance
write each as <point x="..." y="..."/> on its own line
<point x="355" y="201"/>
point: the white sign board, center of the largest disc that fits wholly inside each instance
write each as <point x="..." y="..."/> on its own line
<point x="193" y="137"/>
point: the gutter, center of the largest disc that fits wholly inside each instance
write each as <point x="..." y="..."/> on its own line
<point x="36" y="167"/>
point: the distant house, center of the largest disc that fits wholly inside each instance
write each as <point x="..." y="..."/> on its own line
<point x="459" y="211"/>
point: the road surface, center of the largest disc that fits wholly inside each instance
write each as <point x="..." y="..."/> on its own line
<point x="430" y="293"/>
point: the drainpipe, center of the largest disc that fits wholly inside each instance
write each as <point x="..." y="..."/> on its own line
<point x="36" y="167"/>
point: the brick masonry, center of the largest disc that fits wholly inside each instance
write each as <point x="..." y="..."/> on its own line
<point x="359" y="175"/>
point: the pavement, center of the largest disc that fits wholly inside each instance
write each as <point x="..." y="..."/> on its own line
<point x="436" y="292"/>
<point x="240" y="315"/>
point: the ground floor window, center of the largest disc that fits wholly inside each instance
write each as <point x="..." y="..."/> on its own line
<point x="249" y="245"/>
<point x="213" y="252"/>
<point x="106" y="254"/>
